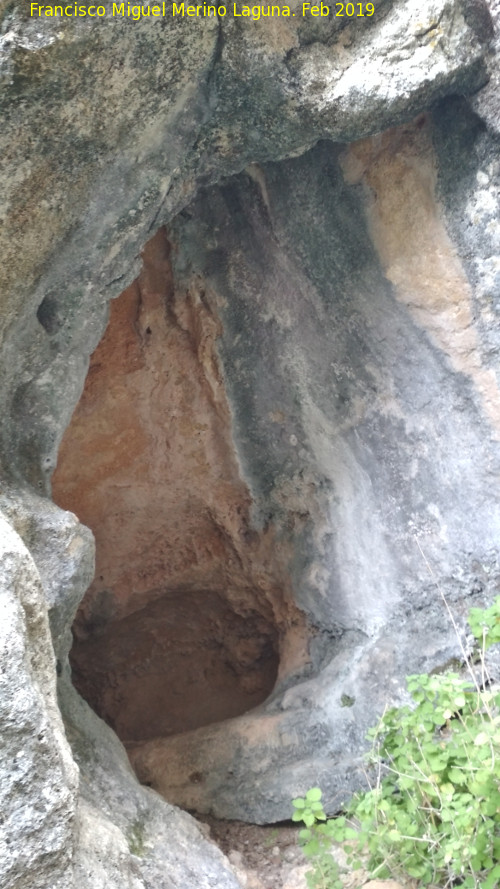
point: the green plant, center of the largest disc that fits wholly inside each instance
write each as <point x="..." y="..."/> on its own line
<point x="316" y="841"/>
<point x="485" y="624"/>
<point x="433" y="812"/>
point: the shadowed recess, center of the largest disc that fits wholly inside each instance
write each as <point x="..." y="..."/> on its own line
<point x="188" y="619"/>
<point x="182" y="662"/>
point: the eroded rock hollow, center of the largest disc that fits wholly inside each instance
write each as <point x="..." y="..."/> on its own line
<point x="190" y="615"/>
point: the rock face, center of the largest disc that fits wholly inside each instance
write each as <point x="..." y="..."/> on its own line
<point x="39" y="779"/>
<point x="288" y="440"/>
<point x="353" y="368"/>
<point x="73" y="812"/>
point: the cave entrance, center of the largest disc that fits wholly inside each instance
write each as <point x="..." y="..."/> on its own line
<point x="185" y="621"/>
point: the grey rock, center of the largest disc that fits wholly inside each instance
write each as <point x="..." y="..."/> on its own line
<point x="113" y="128"/>
<point x="38" y="778"/>
<point x="63" y="550"/>
<point x="126" y="834"/>
<point x="110" y="126"/>
<point x="382" y="459"/>
<point x="73" y="813"/>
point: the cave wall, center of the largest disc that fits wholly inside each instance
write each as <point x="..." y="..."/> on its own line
<point x="352" y="389"/>
<point x="356" y="297"/>
<point x="366" y="420"/>
<point x="109" y="128"/>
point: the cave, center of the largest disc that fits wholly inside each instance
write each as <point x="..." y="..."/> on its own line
<point x="250" y="406"/>
<point x="185" y="621"/>
<point x="271" y="446"/>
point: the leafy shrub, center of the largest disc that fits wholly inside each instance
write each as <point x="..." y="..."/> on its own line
<point x="316" y="841"/>
<point x="434" y="812"/>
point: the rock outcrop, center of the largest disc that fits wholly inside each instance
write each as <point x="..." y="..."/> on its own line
<point x="287" y="443"/>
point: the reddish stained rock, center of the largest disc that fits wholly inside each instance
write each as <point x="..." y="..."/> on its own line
<point x="185" y="621"/>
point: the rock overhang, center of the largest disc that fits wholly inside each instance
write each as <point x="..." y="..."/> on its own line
<point x="348" y="380"/>
<point x="135" y="121"/>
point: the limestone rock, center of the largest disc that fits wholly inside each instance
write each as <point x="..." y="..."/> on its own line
<point x="72" y="815"/>
<point x="38" y="778"/>
<point x="296" y="877"/>
<point x="339" y="452"/>
<point x="110" y="126"/>
<point x="382" y="884"/>
<point x="342" y="303"/>
<point x="127" y="835"/>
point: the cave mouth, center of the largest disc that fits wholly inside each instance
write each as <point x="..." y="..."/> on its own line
<point x="182" y="662"/>
<point x="190" y="614"/>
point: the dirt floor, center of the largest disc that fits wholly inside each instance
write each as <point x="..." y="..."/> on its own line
<point x="270" y="857"/>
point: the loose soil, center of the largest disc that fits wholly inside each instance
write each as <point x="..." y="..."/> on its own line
<point x="269" y="857"/>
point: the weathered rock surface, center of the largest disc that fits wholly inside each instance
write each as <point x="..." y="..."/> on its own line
<point x="109" y="126"/>
<point x="38" y="778"/>
<point x="366" y="421"/>
<point x="73" y="813"/>
<point x="351" y="299"/>
<point x="126" y="835"/>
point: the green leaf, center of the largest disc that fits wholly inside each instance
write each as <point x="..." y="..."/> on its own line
<point x="351" y="834"/>
<point x="316" y="807"/>
<point x="313" y="795"/>
<point x="490" y="807"/>
<point x="492" y="878"/>
<point x="415" y="871"/>
<point x="435" y="815"/>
